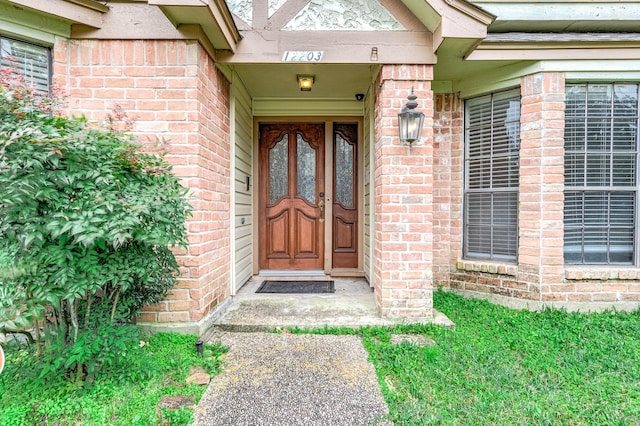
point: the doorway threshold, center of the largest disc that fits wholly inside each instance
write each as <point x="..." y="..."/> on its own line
<point x="291" y="273"/>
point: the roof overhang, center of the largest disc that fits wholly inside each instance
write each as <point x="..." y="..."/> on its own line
<point x="563" y="16"/>
<point x="554" y="46"/>
<point x="213" y="16"/>
<point x="85" y="12"/>
<point x="451" y="19"/>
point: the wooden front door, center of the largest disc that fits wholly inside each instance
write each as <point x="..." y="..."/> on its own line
<point x="345" y="196"/>
<point x="291" y="200"/>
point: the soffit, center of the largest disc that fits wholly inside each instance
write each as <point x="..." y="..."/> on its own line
<point x="212" y="16"/>
<point x="527" y="31"/>
<point x="550" y="46"/>
<point x="332" y="81"/>
<point x="563" y="15"/>
<point x="85" y="12"/>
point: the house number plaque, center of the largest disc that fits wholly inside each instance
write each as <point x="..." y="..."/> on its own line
<point x="302" y="56"/>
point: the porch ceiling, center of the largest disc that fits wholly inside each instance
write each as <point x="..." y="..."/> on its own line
<point x="332" y="81"/>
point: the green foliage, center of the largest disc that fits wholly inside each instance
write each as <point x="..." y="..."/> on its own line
<point x="128" y="395"/>
<point x="503" y="366"/>
<point x="508" y="367"/>
<point x="181" y="416"/>
<point x="210" y="359"/>
<point x="86" y="221"/>
<point x="110" y="349"/>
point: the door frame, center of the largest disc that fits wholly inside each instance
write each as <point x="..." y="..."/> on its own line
<point x="328" y="146"/>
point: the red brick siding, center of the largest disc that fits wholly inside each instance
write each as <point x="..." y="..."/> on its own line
<point x="448" y="154"/>
<point x="402" y="191"/>
<point x="538" y="274"/>
<point x="541" y="198"/>
<point x="175" y="95"/>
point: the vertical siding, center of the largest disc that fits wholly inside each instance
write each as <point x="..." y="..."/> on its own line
<point x="243" y="204"/>
<point x="368" y="210"/>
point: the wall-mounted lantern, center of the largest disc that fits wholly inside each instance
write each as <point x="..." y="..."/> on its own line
<point x="410" y="121"/>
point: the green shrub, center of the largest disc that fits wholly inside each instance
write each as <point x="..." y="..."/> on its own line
<point x="87" y="219"/>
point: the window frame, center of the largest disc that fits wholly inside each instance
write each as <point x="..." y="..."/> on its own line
<point x="509" y="95"/>
<point x="49" y="59"/>
<point x="605" y="191"/>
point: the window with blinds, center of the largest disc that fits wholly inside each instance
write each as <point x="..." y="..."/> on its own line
<point x="492" y="162"/>
<point x="30" y="60"/>
<point x="601" y="184"/>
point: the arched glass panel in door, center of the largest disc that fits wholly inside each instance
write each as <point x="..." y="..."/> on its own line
<point x="279" y="170"/>
<point x="306" y="170"/>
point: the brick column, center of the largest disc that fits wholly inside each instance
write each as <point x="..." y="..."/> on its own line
<point x="447" y="185"/>
<point x="174" y="93"/>
<point x="541" y="199"/>
<point x="403" y="195"/>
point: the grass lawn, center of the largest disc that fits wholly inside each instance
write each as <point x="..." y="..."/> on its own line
<point x="112" y="400"/>
<point x="498" y="367"/>
<point x="508" y="367"/>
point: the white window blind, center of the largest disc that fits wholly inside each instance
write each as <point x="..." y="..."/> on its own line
<point x="601" y="150"/>
<point x="492" y="162"/>
<point x="30" y="60"/>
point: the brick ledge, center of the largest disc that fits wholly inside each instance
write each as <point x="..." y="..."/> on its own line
<point x="488" y="267"/>
<point x="601" y="273"/>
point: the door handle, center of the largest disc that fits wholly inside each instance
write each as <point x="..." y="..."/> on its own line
<point x="321" y="206"/>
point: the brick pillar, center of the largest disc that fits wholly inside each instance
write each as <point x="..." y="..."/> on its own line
<point x="447" y="185"/>
<point x="541" y="199"/>
<point x="403" y="195"/>
<point x="175" y="94"/>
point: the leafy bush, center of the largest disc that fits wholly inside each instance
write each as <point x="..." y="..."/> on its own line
<point x="119" y="398"/>
<point x="87" y="219"/>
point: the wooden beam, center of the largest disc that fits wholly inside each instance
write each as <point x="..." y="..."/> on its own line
<point x="286" y="13"/>
<point x="393" y="47"/>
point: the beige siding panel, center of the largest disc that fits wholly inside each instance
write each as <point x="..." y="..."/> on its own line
<point x="270" y="107"/>
<point x="368" y="208"/>
<point x="243" y="200"/>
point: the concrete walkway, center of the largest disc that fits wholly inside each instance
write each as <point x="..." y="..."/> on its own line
<point x="286" y="379"/>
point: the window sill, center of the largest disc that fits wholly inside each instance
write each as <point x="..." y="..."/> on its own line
<point x="601" y="273"/>
<point x="488" y="267"/>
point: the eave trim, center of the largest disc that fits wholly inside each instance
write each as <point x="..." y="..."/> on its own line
<point x="91" y="4"/>
<point x="214" y="11"/>
<point x="86" y="12"/>
<point x="473" y="11"/>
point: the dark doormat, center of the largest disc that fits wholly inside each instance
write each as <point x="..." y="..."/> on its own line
<point x="296" y="287"/>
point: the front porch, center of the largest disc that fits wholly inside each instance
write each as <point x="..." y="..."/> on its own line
<point x="352" y="305"/>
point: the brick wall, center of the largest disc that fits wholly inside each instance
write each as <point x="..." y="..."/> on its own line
<point x="448" y="163"/>
<point x="402" y="191"/>
<point x="539" y="277"/>
<point x="176" y="96"/>
<point x="538" y="273"/>
<point x="541" y="192"/>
